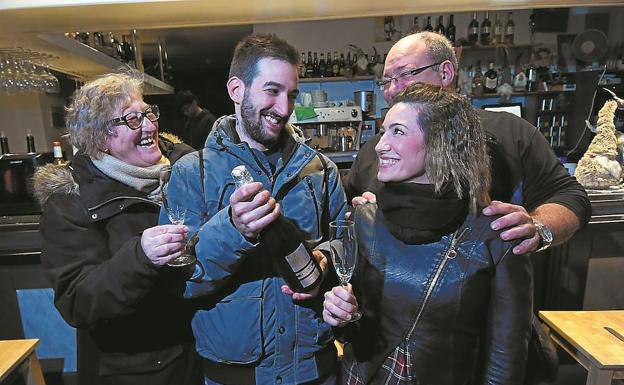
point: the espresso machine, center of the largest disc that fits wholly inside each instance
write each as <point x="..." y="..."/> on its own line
<point x="334" y="131"/>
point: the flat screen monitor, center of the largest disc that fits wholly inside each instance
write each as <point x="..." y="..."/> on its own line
<point x="512" y="108"/>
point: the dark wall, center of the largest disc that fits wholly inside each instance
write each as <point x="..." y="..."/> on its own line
<point x="208" y="84"/>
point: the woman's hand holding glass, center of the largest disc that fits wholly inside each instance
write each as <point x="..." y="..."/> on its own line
<point x="176" y="214"/>
<point x="340" y="305"/>
<point x="164" y="243"/>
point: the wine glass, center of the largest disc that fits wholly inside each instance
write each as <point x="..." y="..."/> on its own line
<point x="176" y="214"/>
<point x="344" y="252"/>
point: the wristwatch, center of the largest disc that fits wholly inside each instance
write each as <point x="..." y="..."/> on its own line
<point x="546" y="237"/>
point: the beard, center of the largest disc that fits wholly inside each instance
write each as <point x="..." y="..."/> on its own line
<point x="252" y="124"/>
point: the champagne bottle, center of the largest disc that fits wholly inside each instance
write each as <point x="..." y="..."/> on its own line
<point x="473" y="30"/>
<point x="486" y="30"/>
<point x="451" y="32"/>
<point x="283" y="242"/>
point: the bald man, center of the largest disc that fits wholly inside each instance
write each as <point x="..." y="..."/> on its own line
<point x="540" y="203"/>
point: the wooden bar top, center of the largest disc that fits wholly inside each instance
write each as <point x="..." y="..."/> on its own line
<point x="13" y="353"/>
<point x="585" y="330"/>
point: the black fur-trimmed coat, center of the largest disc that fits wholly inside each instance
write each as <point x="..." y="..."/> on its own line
<point x="130" y="321"/>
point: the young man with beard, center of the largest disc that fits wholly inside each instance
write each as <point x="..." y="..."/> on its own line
<point x="254" y="329"/>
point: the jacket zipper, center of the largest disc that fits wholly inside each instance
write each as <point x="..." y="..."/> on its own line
<point x="318" y="217"/>
<point x="451" y="253"/>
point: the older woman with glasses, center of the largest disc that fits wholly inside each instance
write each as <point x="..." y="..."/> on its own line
<point x="102" y="249"/>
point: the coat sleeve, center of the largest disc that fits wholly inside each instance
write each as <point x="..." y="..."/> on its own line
<point x="90" y="284"/>
<point x="220" y="247"/>
<point x="509" y="326"/>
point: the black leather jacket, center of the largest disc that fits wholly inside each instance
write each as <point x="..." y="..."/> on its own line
<point x="463" y="303"/>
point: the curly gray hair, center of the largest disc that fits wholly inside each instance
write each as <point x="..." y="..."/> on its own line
<point x="93" y="106"/>
<point x="455" y="144"/>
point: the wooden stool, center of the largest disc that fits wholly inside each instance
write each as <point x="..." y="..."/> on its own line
<point x="20" y="355"/>
<point x="583" y="335"/>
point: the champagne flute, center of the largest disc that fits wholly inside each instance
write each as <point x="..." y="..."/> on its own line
<point x="344" y="252"/>
<point x="176" y="215"/>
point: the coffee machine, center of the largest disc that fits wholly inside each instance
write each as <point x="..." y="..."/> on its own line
<point x="334" y="131"/>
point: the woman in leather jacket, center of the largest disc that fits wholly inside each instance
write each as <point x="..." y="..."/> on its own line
<point x="443" y="299"/>
<point x="102" y="249"/>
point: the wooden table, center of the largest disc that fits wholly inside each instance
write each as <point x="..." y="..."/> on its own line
<point x="583" y="335"/>
<point x="20" y="355"/>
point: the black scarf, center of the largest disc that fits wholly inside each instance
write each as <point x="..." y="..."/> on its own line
<point x="415" y="214"/>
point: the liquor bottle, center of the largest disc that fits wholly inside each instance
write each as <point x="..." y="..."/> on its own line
<point x="497" y="35"/>
<point x="4" y="143"/>
<point x="127" y="52"/>
<point x="335" y="65"/>
<point x="30" y="142"/>
<point x="510" y="28"/>
<point x="348" y="67"/>
<point x="328" y="65"/>
<point x="440" y="27"/>
<point x="57" y="151"/>
<point x="309" y="66"/>
<point x="486" y="30"/>
<point x="321" y="66"/>
<point x="451" y="32"/>
<point x="315" y="65"/>
<point x="282" y="240"/>
<point x="302" y="66"/>
<point x="477" y="83"/>
<point x="428" y="27"/>
<point x="531" y="84"/>
<point x="491" y="80"/>
<point x="415" y="26"/>
<point x="341" y="65"/>
<point x="473" y="30"/>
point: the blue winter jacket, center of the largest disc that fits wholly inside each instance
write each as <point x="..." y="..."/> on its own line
<point x="247" y="319"/>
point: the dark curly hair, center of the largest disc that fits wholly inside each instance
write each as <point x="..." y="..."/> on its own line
<point x="253" y="48"/>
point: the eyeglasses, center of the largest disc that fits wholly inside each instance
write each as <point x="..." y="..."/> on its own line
<point x="134" y="120"/>
<point x="385" y="82"/>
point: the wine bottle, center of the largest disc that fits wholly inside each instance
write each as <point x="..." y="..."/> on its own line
<point x="30" y="142"/>
<point x="282" y="240"/>
<point x="309" y="69"/>
<point x="428" y="27"/>
<point x="451" y="32"/>
<point x="497" y="36"/>
<point x="509" y="30"/>
<point x="415" y="26"/>
<point x="486" y="30"/>
<point x="315" y="65"/>
<point x="473" y="30"/>
<point x="440" y="26"/>
<point x="302" y="66"/>
<point x="335" y="65"/>
<point x="321" y="66"/>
